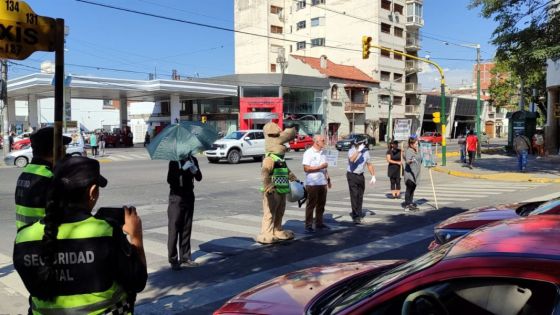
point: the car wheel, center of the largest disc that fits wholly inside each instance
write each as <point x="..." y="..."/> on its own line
<point x="234" y="156"/>
<point x="213" y="160"/>
<point x="21" y="161"/>
<point x="258" y="158"/>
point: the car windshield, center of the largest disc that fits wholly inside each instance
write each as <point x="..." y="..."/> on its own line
<point x="236" y="135"/>
<point x="545" y="207"/>
<point x="356" y="291"/>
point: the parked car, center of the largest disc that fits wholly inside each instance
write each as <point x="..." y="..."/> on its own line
<point x="237" y="145"/>
<point x="21" y="158"/>
<point x="465" y="222"/>
<point x="301" y="142"/>
<point x="431" y="136"/>
<point x="346" y="143"/>
<point x="21" y="144"/>
<point x="496" y="269"/>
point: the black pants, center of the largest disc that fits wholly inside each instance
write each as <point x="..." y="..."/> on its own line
<point x="395" y="183"/>
<point x="94" y="150"/>
<point x="471" y="157"/>
<point x="356" y="185"/>
<point x="409" y="195"/>
<point x="180" y="216"/>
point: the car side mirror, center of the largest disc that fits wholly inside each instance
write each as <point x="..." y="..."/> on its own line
<point x="247" y="138"/>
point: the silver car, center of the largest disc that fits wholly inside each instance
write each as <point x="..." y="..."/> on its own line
<point x="21" y="158"/>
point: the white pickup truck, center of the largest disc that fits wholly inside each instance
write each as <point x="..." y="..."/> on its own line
<point x="237" y="145"/>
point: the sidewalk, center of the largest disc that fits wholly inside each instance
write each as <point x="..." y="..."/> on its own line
<point x="499" y="166"/>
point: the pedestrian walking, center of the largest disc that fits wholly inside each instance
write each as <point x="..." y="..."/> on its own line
<point x="358" y="160"/>
<point x="522" y="146"/>
<point x="146" y="139"/>
<point x="394" y="158"/>
<point x="317" y="181"/>
<point x="180" y="177"/>
<point x="11" y="141"/>
<point x="471" y="146"/>
<point x="75" y="263"/>
<point x="411" y="173"/>
<point x="34" y="181"/>
<point x="93" y="144"/>
<point x="539" y="144"/>
<point x="462" y="142"/>
<point x="101" y="141"/>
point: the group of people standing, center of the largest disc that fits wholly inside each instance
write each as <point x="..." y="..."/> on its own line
<point x="409" y="163"/>
<point x="468" y="146"/>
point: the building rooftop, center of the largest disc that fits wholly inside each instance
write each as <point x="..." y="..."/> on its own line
<point x="334" y="70"/>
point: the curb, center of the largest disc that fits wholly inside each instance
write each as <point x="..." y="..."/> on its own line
<point x="504" y="177"/>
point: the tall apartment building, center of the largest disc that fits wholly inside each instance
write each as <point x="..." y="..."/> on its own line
<point x="334" y="28"/>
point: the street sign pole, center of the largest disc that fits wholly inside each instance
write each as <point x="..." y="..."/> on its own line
<point x="58" y="90"/>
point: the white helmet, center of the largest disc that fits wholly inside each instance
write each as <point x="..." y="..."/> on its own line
<point x="297" y="191"/>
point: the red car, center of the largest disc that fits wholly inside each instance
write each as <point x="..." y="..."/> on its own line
<point x="301" y="142"/>
<point x="463" y="223"/>
<point x="433" y="137"/>
<point x="508" y="267"/>
<point x="21" y="144"/>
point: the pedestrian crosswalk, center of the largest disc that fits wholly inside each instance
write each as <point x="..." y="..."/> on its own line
<point x="220" y="237"/>
<point x="118" y="157"/>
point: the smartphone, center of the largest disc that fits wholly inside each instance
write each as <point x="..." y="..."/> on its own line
<point x="115" y="215"/>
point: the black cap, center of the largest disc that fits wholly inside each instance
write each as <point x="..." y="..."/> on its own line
<point x="42" y="140"/>
<point x="79" y="172"/>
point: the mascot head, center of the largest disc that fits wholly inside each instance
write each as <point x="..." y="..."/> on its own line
<point x="275" y="138"/>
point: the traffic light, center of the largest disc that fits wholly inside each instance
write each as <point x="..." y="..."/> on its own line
<point x="366" y="44"/>
<point x="436" y="117"/>
<point x="203" y="119"/>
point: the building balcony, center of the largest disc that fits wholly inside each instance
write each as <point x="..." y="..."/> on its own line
<point x="411" y="110"/>
<point x="415" y="1"/>
<point x="350" y="107"/>
<point x="414" y="21"/>
<point x="412" y="66"/>
<point x="412" y="87"/>
<point x="412" y="44"/>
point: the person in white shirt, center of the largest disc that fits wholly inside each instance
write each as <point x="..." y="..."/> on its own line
<point x="358" y="160"/>
<point x="317" y="181"/>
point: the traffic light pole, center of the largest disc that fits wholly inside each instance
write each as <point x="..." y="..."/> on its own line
<point x="366" y="44"/>
<point x="478" y="127"/>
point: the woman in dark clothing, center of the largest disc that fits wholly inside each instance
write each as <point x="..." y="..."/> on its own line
<point x="394" y="158"/>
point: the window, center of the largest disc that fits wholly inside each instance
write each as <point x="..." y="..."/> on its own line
<point x="272" y="67"/>
<point x="384" y="99"/>
<point x="397" y="8"/>
<point x="334" y="92"/>
<point x="386" y="4"/>
<point x="164" y="107"/>
<point x="397" y="100"/>
<point x="300" y="5"/>
<point x="275" y="10"/>
<point x="317" y="42"/>
<point x="316" y="2"/>
<point x="385" y="53"/>
<point x="300" y="25"/>
<point x="317" y="21"/>
<point x="259" y="135"/>
<point x="385" y="28"/>
<point x="397" y="77"/>
<point x="385" y="76"/>
<point x="300" y="45"/>
<point x="276" y="29"/>
<point x="398" y="32"/>
<point x="398" y="56"/>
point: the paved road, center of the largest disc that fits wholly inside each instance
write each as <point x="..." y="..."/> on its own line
<point x="227" y="217"/>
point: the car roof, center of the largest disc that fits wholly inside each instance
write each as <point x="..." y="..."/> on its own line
<point x="531" y="236"/>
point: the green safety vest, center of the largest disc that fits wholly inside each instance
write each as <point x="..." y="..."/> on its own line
<point x="31" y="194"/>
<point x="279" y="175"/>
<point x="71" y="239"/>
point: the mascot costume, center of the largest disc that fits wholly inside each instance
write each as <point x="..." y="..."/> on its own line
<point x="276" y="177"/>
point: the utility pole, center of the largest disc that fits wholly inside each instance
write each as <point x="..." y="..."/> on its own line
<point x="389" y="122"/>
<point x="478" y="127"/>
<point x="4" y="97"/>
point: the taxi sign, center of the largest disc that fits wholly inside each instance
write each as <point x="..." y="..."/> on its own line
<point x="23" y="32"/>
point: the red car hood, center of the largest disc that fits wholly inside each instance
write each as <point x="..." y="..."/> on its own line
<point x="505" y="206"/>
<point x="291" y="293"/>
<point x="474" y="219"/>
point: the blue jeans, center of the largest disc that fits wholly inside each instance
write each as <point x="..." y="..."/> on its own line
<point x="522" y="159"/>
<point x="463" y="150"/>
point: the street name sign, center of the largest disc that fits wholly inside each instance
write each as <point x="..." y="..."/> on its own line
<point x="22" y="32"/>
<point x="402" y="129"/>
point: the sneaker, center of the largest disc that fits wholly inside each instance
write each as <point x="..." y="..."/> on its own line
<point x="190" y="263"/>
<point x="410" y="208"/>
<point x="323" y="227"/>
<point x="175" y="267"/>
<point x="309" y="230"/>
<point x="415" y="205"/>
<point x="357" y="221"/>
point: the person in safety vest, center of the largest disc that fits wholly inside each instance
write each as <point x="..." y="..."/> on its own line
<point x="276" y="177"/>
<point x="74" y="263"/>
<point x="32" y="184"/>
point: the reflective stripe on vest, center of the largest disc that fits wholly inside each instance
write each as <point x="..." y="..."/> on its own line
<point x="87" y="303"/>
<point x="280" y="175"/>
<point x="27" y="215"/>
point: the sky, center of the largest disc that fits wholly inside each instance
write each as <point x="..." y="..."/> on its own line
<point x="110" y="43"/>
